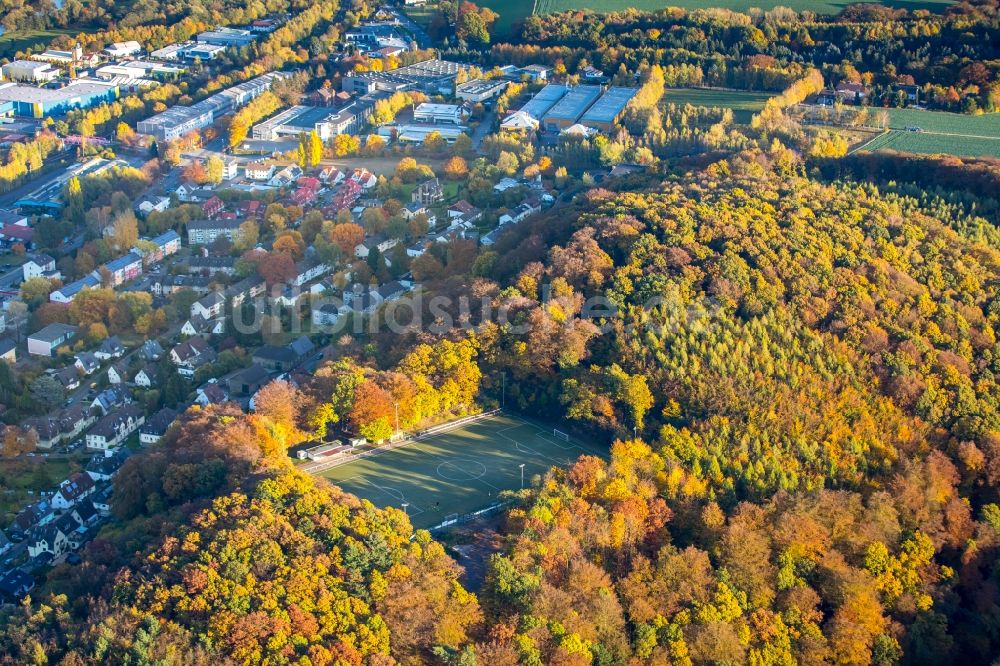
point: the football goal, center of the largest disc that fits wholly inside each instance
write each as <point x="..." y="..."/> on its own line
<point x="564" y="436"/>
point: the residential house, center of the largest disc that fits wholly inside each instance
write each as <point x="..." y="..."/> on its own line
<point x="15" y="234"/>
<point x="151" y="350"/>
<point x="110" y="348"/>
<point x="411" y="210"/>
<point x="60" y="427"/>
<point x="428" y="192"/>
<point x="124" y="268"/>
<point x="204" y="232"/>
<point x="260" y="170"/>
<point x="49" y="539"/>
<point x="286" y="176"/>
<point x="464" y="210"/>
<point x="112" y="430"/>
<point x="153" y="429"/>
<point x="283" y="359"/>
<point x="212" y="207"/>
<point x="147" y="377"/>
<point x="248" y="381"/>
<point x="328" y="313"/>
<point x="191" y="354"/>
<point x="211" y="393"/>
<point x="851" y="93"/>
<point x="211" y="265"/>
<point x="383" y="244"/>
<point x="117" y="373"/>
<point x="506" y="184"/>
<point x="161" y="247"/>
<point x="169" y="284"/>
<point x="8" y="350"/>
<point x="87" y="363"/>
<point x="331" y="175"/>
<point x="85" y="514"/>
<point x="250" y="208"/>
<point x="209" y="306"/>
<point x="67" y="293"/>
<point x="50" y="338"/>
<point x="15" y="584"/>
<point x="365" y="178"/>
<point x="101" y="499"/>
<point x="34" y="515"/>
<point x="154" y="204"/>
<point x="519" y="212"/>
<point x="39" y="265"/>
<point x="72" y="490"/>
<point x="110" y="398"/>
<point x="69" y="377"/>
<point x="198" y="325"/>
<point x="309" y="269"/>
<point x="103" y="468"/>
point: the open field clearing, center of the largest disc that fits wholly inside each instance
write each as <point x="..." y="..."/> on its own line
<point x="933" y="144"/>
<point x="743" y="103"/>
<point x="458" y="471"/>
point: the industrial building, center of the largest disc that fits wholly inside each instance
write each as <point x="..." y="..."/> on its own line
<point x="137" y="74"/>
<point x="227" y="37"/>
<point x="180" y="120"/>
<point x="326" y="122"/>
<point x="480" y="90"/>
<point x="41" y="102"/>
<point x="544" y="100"/>
<point x="123" y="49"/>
<point x="417" y="133"/>
<point x="568" y="110"/>
<point x="608" y="110"/>
<point x="431" y="76"/>
<point x="30" y="70"/>
<point x="439" y="113"/>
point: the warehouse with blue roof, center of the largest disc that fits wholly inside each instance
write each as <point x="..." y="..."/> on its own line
<point x="29" y="101"/>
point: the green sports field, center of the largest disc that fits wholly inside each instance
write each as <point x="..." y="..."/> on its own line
<point x="458" y="471"/>
<point x="20" y="40"/>
<point x="743" y="103"/>
<point x="512" y="11"/>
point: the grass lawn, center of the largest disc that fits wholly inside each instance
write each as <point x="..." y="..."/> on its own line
<point x="421" y="15"/>
<point x="19" y="40"/>
<point x="941" y="133"/>
<point x="511" y="11"/>
<point x="934" y="144"/>
<point x="22" y="479"/>
<point x="743" y="103"/>
<point x="458" y="471"/>
<point x="983" y="125"/>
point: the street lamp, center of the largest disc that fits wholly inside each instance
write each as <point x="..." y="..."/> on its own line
<point x="635" y="432"/>
<point x="395" y="406"/>
<point x="522" y="475"/>
<point x="405" y="513"/>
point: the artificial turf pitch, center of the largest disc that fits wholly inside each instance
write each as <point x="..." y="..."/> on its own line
<point x="458" y="471"/>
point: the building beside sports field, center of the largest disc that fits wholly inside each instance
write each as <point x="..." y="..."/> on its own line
<point x="179" y="120"/>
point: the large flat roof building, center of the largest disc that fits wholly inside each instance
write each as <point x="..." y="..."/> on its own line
<point x="544" y="100"/>
<point x="227" y="37"/>
<point x="30" y="70"/>
<point x="41" y="102"/>
<point x="608" y="110"/>
<point x="179" y="120"/>
<point x="326" y="122"/>
<point x="432" y="76"/>
<point x="568" y="110"/>
<point x="480" y="90"/>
